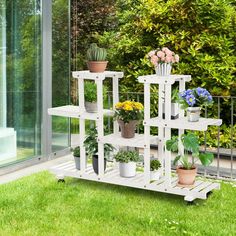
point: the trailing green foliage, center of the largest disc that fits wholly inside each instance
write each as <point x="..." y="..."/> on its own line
<point x="201" y="32"/>
<point x="191" y="145"/>
<point x="127" y="156"/>
<point x="155" y="165"/>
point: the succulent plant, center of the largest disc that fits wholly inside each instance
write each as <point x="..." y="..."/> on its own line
<point x="95" y="53"/>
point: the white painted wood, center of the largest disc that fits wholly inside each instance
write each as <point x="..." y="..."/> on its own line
<point x="96" y="76"/>
<point x="183" y="123"/>
<point x="137" y="141"/>
<point x="141" y="180"/>
<point x="170" y="79"/>
<point x="115" y="88"/>
<point x="81" y="96"/>
<point x="100" y="128"/>
<point x="181" y="115"/>
<point x="74" y="112"/>
<point x="82" y="148"/>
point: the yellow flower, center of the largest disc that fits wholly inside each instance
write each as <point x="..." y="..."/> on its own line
<point x="127" y="107"/>
<point x="138" y="106"/>
<point x="119" y="105"/>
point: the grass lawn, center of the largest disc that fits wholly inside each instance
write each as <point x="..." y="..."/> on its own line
<point x="38" y="205"/>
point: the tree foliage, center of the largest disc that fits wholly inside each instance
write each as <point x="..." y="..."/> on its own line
<point x="202" y="32"/>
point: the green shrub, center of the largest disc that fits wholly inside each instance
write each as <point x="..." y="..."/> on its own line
<point x="201" y="32"/>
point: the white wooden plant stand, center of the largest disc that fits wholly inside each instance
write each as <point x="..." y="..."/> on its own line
<point x="166" y="183"/>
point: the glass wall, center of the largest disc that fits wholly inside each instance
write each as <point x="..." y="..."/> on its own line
<point x="60" y="71"/>
<point x="21" y="78"/>
<point x="20" y="81"/>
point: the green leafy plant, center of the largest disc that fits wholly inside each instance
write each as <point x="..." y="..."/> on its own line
<point x="95" y="53"/>
<point x="174" y="95"/>
<point x="190" y="143"/>
<point x="127" y="156"/>
<point x="90" y="91"/>
<point x="155" y="165"/>
<point x="76" y="151"/>
<point x="91" y="144"/>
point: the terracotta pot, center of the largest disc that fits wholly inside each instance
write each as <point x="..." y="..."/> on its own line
<point x="97" y="66"/>
<point x="127" y="129"/>
<point x="186" y="177"/>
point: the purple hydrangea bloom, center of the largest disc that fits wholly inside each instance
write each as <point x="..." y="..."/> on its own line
<point x="191" y="100"/>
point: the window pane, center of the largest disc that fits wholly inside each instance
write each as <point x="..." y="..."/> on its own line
<point x="20" y="80"/>
<point x="61" y="71"/>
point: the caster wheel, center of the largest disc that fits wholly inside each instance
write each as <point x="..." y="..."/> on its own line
<point x="190" y="203"/>
<point x="61" y="181"/>
<point x="209" y="194"/>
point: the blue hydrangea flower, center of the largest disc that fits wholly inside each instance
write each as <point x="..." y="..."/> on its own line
<point x="210" y="98"/>
<point x="191" y="100"/>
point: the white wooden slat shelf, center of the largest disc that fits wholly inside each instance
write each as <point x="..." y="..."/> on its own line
<point x="167" y="184"/>
<point x="183" y="123"/>
<point x="94" y="76"/>
<point x="170" y="79"/>
<point x="73" y="112"/>
<point x="138" y="140"/>
<point x="112" y="176"/>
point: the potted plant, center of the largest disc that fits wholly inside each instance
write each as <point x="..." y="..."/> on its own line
<point x="76" y="154"/>
<point x="174" y="105"/>
<point x="155" y="165"/>
<point x="90" y="96"/>
<point x="127" y="162"/>
<point x="96" y="57"/>
<point x="193" y="100"/>
<point x="91" y="147"/>
<point x="128" y="114"/>
<point x="162" y="59"/>
<point x="187" y="170"/>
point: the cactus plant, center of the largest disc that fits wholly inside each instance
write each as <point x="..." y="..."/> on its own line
<point x="95" y="53"/>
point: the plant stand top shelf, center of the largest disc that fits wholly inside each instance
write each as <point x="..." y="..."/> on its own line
<point x="85" y="74"/>
<point x="168" y="79"/>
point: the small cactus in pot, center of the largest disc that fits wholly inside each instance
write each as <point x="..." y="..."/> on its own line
<point x="96" y="57"/>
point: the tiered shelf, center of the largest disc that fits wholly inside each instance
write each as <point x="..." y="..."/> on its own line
<point x="167" y="183"/>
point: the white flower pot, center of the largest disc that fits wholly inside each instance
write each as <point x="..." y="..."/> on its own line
<point x="91" y="107"/>
<point x="155" y="175"/>
<point x="127" y="170"/>
<point x="163" y="69"/>
<point x="193" y="114"/>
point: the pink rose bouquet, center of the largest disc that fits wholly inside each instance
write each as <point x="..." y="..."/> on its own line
<point x="164" y="55"/>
